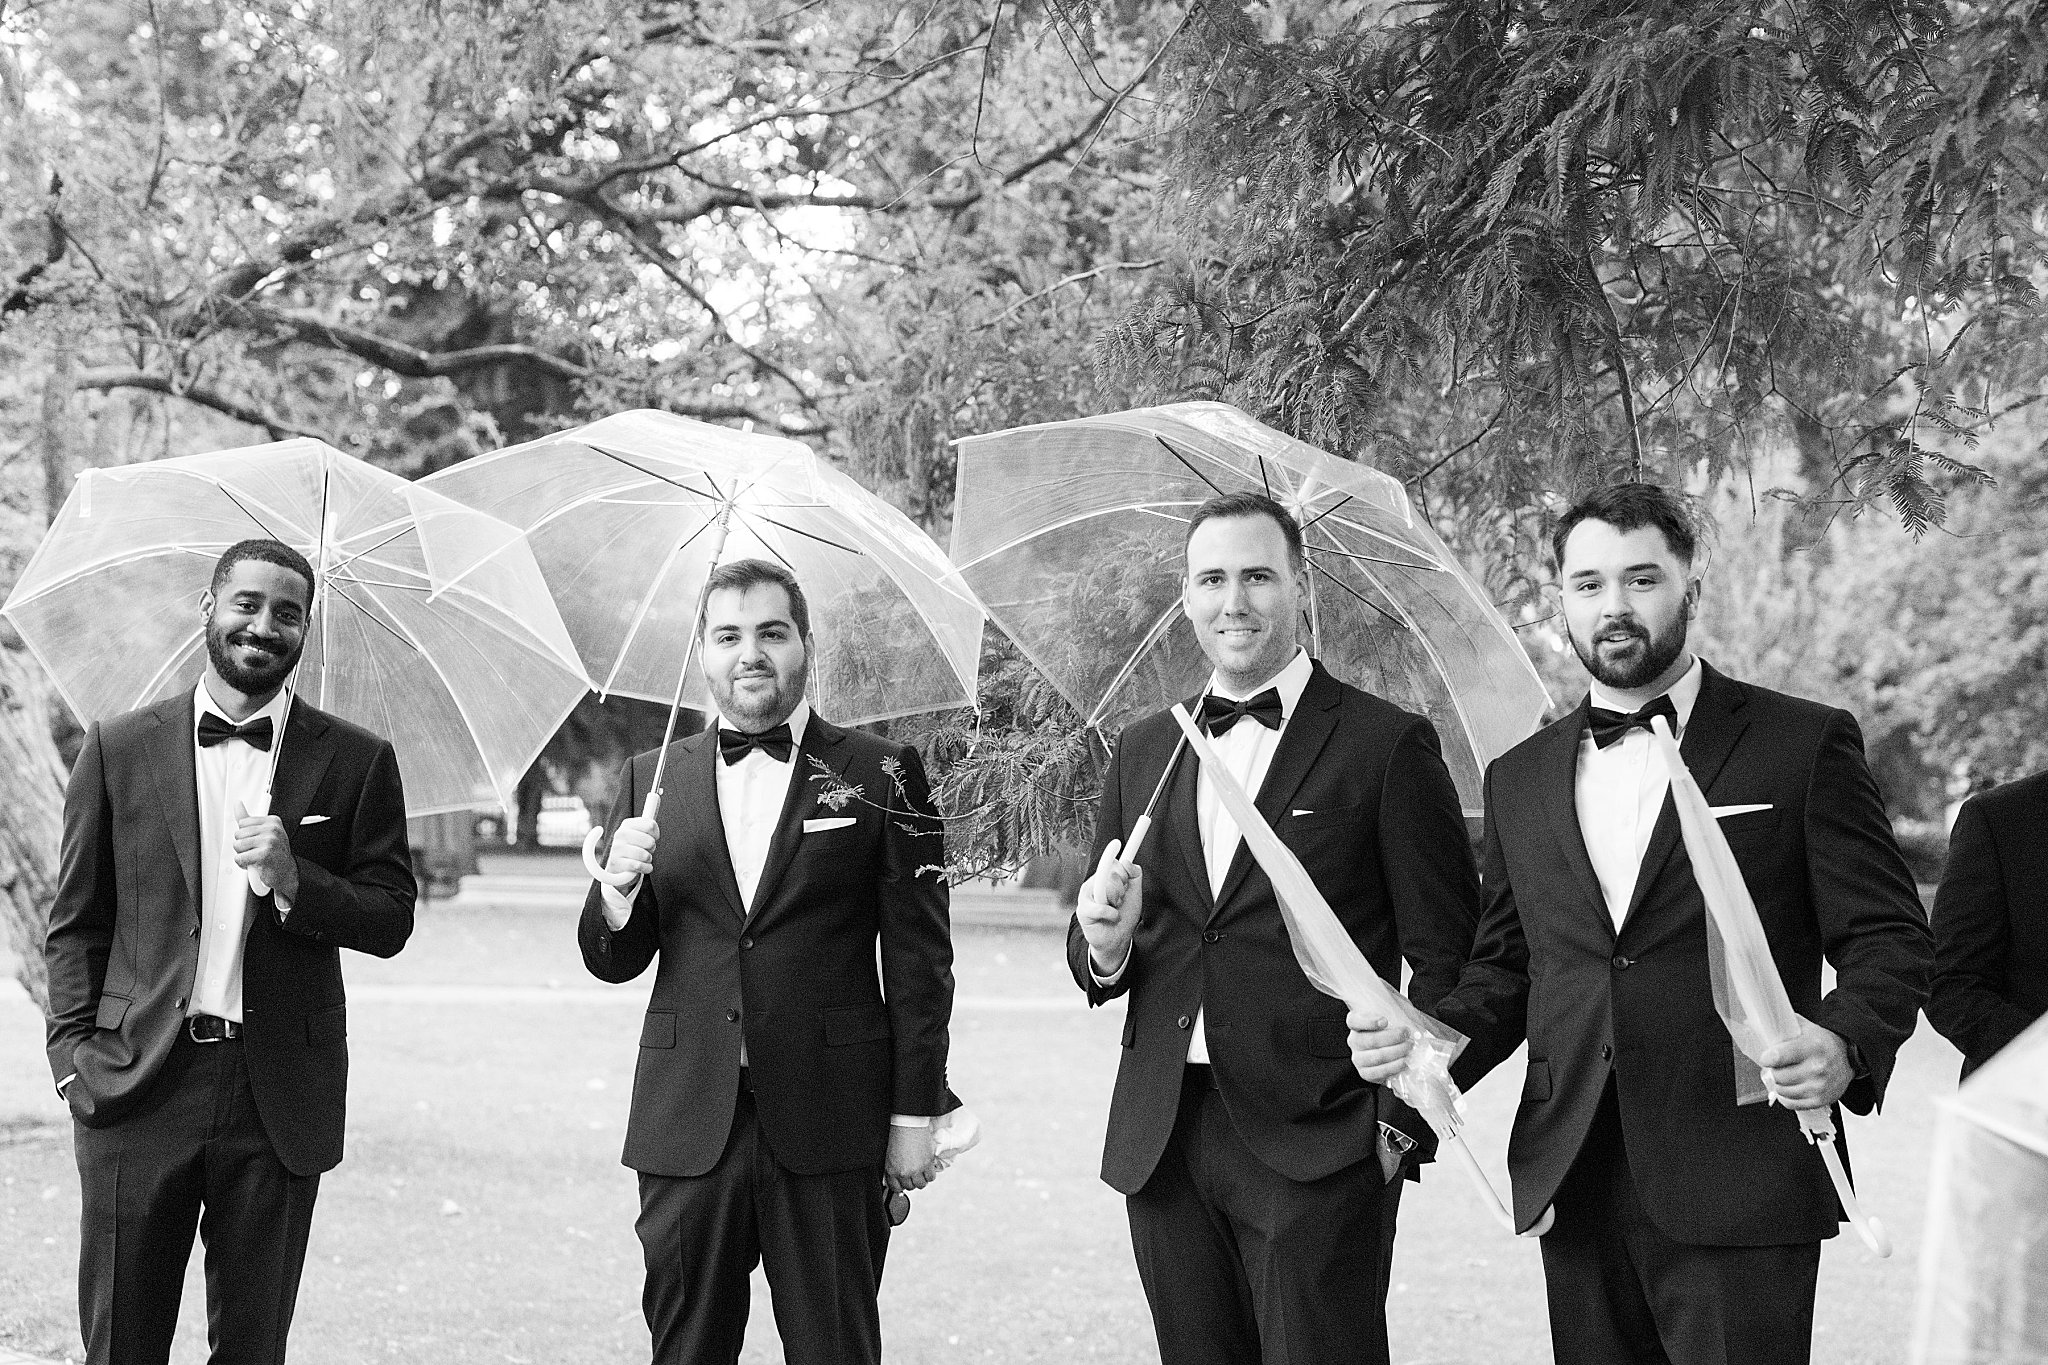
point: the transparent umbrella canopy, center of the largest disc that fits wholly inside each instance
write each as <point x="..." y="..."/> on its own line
<point x="1984" y="1263"/>
<point x="629" y="514"/>
<point x="431" y="625"/>
<point x="1071" y="534"/>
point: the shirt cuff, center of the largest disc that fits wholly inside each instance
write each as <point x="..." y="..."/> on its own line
<point x="1114" y="976"/>
<point x="908" y="1121"/>
<point x="618" y="905"/>
<point x="61" y="1084"/>
<point x="283" y="904"/>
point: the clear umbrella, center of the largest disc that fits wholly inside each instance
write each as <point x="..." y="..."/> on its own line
<point x="1749" y="995"/>
<point x="431" y="623"/>
<point x="1071" y="533"/>
<point x="1984" y="1263"/>
<point x="628" y="516"/>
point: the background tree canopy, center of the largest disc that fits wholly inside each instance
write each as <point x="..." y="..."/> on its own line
<point x="1500" y="250"/>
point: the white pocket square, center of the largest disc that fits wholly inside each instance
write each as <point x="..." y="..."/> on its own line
<point x="1304" y="812"/>
<point x="1723" y="812"/>
<point x="313" y="819"/>
<point x="819" y="826"/>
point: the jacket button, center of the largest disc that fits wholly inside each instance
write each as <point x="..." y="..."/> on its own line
<point x="1212" y="937"/>
<point x="1606" y="1052"/>
<point x="732" y="1016"/>
<point x="1622" y="964"/>
<point x="192" y="933"/>
<point x="746" y="943"/>
<point x="181" y="1003"/>
<point x="1182" y="1022"/>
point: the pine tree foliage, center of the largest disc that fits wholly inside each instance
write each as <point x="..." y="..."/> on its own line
<point x="1509" y="249"/>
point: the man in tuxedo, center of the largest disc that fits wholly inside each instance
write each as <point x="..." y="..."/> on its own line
<point x="1259" y="1171"/>
<point x="1688" y="1227"/>
<point x="1991" y="921"/>
<point x="784" y="1088"/>
<point x="197" y="1024"/>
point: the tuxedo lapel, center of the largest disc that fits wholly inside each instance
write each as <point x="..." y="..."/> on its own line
<point x="1558" y="784"/>
<point x="820" y="739"/>
<point x="697" y="780"/>
<point x="306" y="749"/>
<point x="1302" y="742"/>
<point x="1182" y="821"/>
<point x="1711" y="733"/>
<point x="176" y="773"/>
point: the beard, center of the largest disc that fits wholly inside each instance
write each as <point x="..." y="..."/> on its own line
<point x="256" y="680"/>
<point x="754" y="714"/>
<point x="1659" y="652"/>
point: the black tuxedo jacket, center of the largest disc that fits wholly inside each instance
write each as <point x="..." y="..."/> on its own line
<point x="1828" y="882"/>
<point x="1991" y="921"/>
<point x="123" y="945"/>
<point x="833" y="1047"/>
<point x="1358" y="790"/>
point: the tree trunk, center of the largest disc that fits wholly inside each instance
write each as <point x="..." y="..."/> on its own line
<point x="31" y="815"/>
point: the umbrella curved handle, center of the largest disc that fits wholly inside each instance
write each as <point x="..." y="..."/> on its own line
<point x="618" y="881"/>
<point x="1455" y="1145"/>
<point x="1822" y="1135"/>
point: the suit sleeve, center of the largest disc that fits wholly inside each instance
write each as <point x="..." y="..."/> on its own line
<point x="617" y="955"/>
<point x="1431" y="882"/>
<point x="369" y="907"/>
<point x="1972" y="943"/>
<point x="916" y="941"/>
<point x="1109" y="824"/>
<point x="1490" y="1004"/>
<point x="1871" y="925"/>
<point x="81" y="932"/>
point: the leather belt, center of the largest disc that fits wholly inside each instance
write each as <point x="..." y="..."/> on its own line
<point x="207" y="1028"/>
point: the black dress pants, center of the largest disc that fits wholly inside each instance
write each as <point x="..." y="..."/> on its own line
<point x="821" y="1237"/>
<point x="1243" y="1266"/>
<point x="193" y="1156"/>
<point x="1623" y="1293"/>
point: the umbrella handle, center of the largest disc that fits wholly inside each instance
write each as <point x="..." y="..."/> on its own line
<point x="1820" y="1131"/>
<point x="1129" y="853"/>
<point x="1462" y="1155"/>
<point x="618" y="881"/>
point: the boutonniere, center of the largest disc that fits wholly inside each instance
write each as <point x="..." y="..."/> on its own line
<point x="837" y="791"/>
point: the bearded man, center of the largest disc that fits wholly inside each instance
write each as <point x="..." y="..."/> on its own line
<point x="1688" y="1227"/>
<point x="794" y="1049"/>
<point x="198" y="1029"/>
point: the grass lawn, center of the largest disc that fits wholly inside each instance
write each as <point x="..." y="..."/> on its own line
<point x="482" y="1216"/>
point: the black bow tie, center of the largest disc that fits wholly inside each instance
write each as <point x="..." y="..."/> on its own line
<point x="215" y="728"/>
<point x="734" y="745"/>
<point x="1220" y="713"/>
<point x="1610" y="726"/>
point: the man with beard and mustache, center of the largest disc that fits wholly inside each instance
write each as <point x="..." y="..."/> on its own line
<point x="197" y="1025"/>
<point x="794" y="1048"/>
<point x="1688" y="1228"/>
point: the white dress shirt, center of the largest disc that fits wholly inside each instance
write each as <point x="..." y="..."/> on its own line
<point x="1619" y="792"/>
<point x="231" y="771"/>
<point x="1247" y="749"/>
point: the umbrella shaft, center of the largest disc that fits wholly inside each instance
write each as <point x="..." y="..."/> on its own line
<point x="675" y="705"/>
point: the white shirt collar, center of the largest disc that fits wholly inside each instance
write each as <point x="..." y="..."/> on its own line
<point x="1290" y="682"/>
<point x="1683" y="694"/>
<point x="798" y="719"/>
<point x="203" y="702"/>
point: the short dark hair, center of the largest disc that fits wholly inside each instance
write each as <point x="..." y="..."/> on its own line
<point x="1226" y="505"/>
<point x="753" y="573"/>
<point x="268" y="552"/>
<point x="1630" y="507"/>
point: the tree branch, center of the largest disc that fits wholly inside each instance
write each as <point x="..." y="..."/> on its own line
<point x="240" y="410"/>
<point x="411" y="361"/>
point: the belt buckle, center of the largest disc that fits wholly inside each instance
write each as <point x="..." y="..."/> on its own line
<point x="228" y="1029"/>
